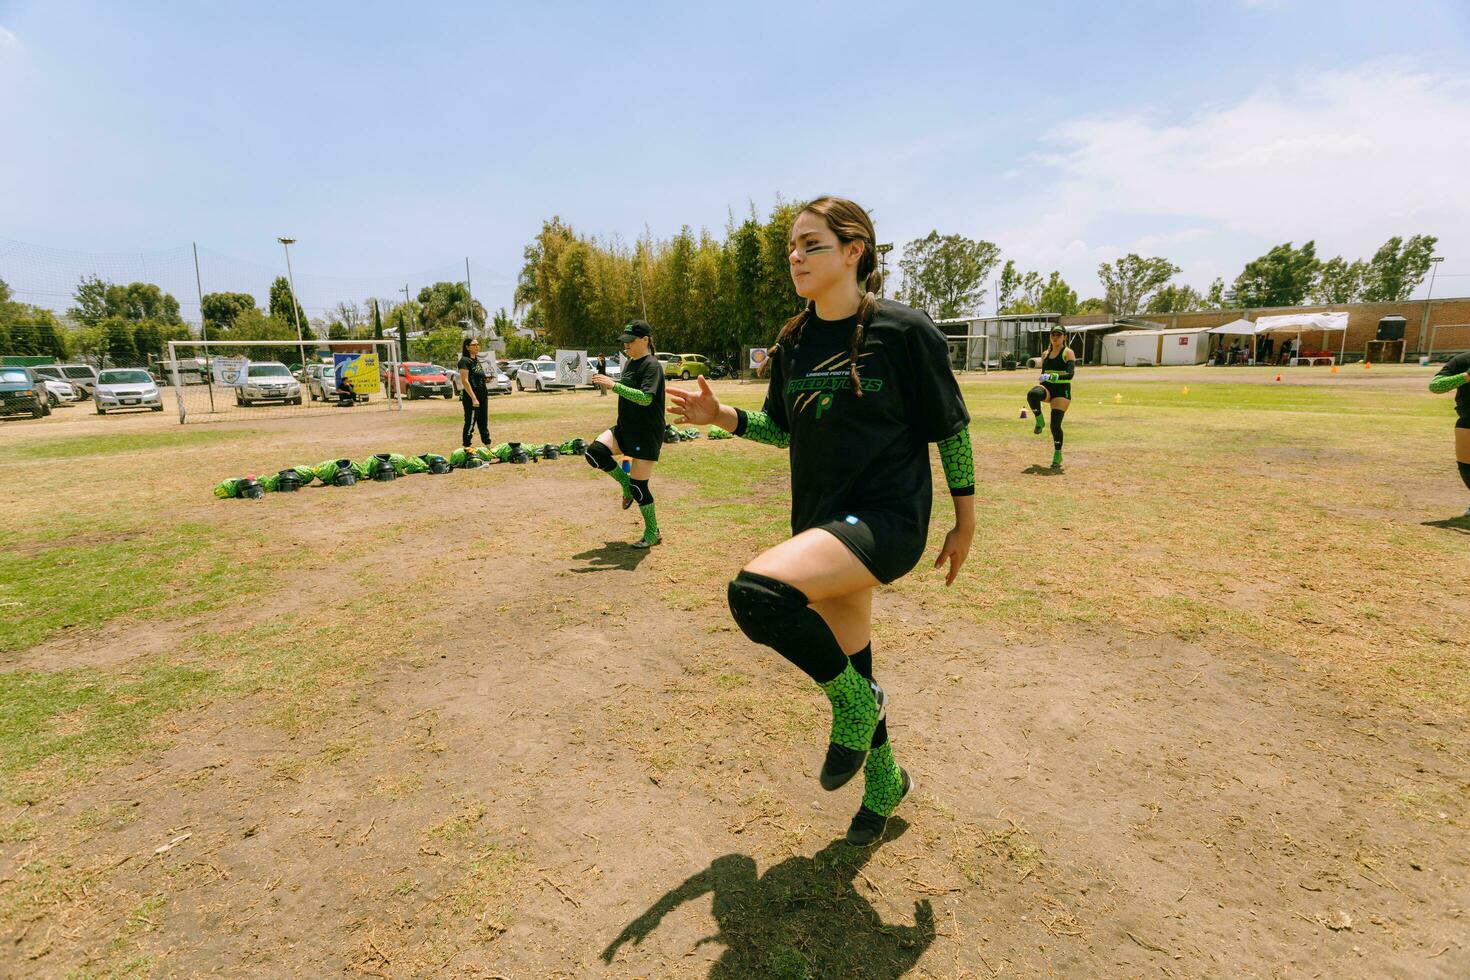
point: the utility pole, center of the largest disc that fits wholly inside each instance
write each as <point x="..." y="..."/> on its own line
<point x="286" y="244"/>
<point x="1434" y="262"/>
<point x="883" y="251"/>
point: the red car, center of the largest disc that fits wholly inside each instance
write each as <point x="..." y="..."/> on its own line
<point x="420" y="380"/>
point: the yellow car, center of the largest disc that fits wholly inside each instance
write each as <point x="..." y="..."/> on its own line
<point x="686" y="366"/>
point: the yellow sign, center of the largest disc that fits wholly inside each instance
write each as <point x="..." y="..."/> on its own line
<point x="361" y="370"/>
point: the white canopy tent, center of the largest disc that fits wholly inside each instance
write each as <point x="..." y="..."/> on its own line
<point x="1240" y="328"/>
<point x="1325" y="322"/>
<point x="1288" y="323"/>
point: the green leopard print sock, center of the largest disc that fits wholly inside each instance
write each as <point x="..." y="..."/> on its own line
<point x="882" y="781"/>
<point x="650" y="522"/>
<point x="623" y="479"/>
<point x="854" y="713"/>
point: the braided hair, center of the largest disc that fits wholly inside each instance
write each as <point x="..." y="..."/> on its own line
<point x="850" y="223"/>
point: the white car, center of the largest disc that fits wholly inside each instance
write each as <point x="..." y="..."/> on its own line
<point x="83" y="376"/>
<point x="126" y="388"/>
<point x="57" y="387"/>
<point x="321" y="383"/>
<point x="268" y="381"/>
<point x="538" y="376"/>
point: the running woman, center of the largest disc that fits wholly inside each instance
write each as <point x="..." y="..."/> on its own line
<point x="859" y="387"/>
<point x="1455" y="376"/>
<point x="639" y="432"/>
<point x="1058" y="366"/>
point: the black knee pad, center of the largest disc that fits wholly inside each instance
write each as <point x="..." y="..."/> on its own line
<point x="1465" y="473"/>
<point x="765" y="608"/>
<point x="1036" y="396"/>
<point x="642" y="496"/>
<point x="600" y="457"/>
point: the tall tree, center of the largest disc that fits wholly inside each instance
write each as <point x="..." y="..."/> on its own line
<point x="945" y="275"/>
<point x="1397" y="268"/>
<point x="118" y="345"/>
<point x="1215" y="298"/>
<point x="1130" y="282"/>
<point x="1175" y="299"/>
<point x="1057" y="297"/>
<point x="503" y="325"/>
<point x="1338" y="281"/>
<point x="449" y="304"/>
<point x="219" y="311"/>
<point x="91" y="301"/>
<point x="1281" y="277"/>
<point x="139" y="301"/>
<point x="281" y="303"/>
<point x="147" y="340"/>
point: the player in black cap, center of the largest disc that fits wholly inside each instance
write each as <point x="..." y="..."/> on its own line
<point x="1058" y="367"/>
<point x="639" y="432"/>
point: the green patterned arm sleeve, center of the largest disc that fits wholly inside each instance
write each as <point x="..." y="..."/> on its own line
<point x="959" y="463"/>
<point x="758" y="427"/>
<point x="1442" y="383"/>
<point x="632" y="394"/>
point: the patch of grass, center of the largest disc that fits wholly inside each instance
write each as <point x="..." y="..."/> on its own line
<point x="458" y="827"/>
<point x="169" y="570"/>
<point x="66" y="724"/>
<point x="485" y="891"/>
<point x="85" y="447"/>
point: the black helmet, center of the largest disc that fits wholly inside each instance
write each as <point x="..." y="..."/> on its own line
<point x="549" y="451"/>
<point x="288" y="481"/>
<point x="518" y="454"/>
<point x="250" y="487"/>
<point x="345" y="477"/>
<point x="579" y="446"/>
<point x="471" y="462"/>
<point x="383" y="468"/>
<point x="437" y="464"/>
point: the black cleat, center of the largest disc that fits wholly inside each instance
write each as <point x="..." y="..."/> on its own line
<point x="841" y="764"/>
<point x="867" y="827"/>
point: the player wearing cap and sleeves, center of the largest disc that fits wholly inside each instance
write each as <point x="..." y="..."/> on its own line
<point x="639" y="431"/>
<point x="1058" y="367"/>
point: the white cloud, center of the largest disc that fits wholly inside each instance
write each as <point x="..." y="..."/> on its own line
<point x="1346" y="158"/>
<point x="8" y="38"/>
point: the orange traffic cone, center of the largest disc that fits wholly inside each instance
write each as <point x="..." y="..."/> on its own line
<point x="1278" y="377"/>
<point x="1334" y="369"/>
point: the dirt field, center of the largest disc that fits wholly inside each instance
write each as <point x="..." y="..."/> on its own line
<point x="1195" y="709"/>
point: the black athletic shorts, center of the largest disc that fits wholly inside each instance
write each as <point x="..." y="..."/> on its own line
<point x="888" y="545"/>
<point x="639" y="445"/>
<point x="1056" y="390"/>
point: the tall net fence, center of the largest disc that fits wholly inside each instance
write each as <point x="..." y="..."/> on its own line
<point x="220" y="381"/>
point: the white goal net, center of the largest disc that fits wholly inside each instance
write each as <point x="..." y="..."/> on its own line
<point x="223" y="380"/>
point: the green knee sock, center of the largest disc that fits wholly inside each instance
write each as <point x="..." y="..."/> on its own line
<point x="650" y="522"/>
<point x="623" y="480"/>
<point x="882" y="781"/>
<point x="854" y="714"/>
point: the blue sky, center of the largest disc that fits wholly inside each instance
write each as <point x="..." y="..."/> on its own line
<point x="393" y="141"/>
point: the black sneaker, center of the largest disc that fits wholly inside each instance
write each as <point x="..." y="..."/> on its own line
<point x="627" y="502"/>
<point x="842" y="763"/>
<point x="867" y="827"/>
<point x="642" y="543"/>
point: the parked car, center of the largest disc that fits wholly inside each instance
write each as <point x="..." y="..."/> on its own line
<point x="418" y="379"/>
<point x="538" y="376"/>
<point x="22" y="393"/>
<point x="190" y="371"/>
<point x="497" y="382"/>
<point x="84" y="376"/>
<point x="57" y="387"/>
<point x="126" y="388"/>
<point x="686" y="366"/>
<point x="268" y="381"/>
<point x="664" y="359"/>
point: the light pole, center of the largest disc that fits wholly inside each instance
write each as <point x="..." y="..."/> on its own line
<point x="883" y="251"/>
<point x="1434" y="261"/>
<point x="286" y="244"/>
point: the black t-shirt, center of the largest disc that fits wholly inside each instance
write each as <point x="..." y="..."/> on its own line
<point x="1459" y="364"/>
<point x="645" y="422"/>
<point x="851" y="454"/>
<point x="477" y="377"/>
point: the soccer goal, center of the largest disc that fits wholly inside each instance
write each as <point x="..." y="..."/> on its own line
<point x="970" y="352"/>
<point x="224" y="380"/>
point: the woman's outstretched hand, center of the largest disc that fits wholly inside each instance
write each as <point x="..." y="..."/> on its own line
<point x="695" y="407"/>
